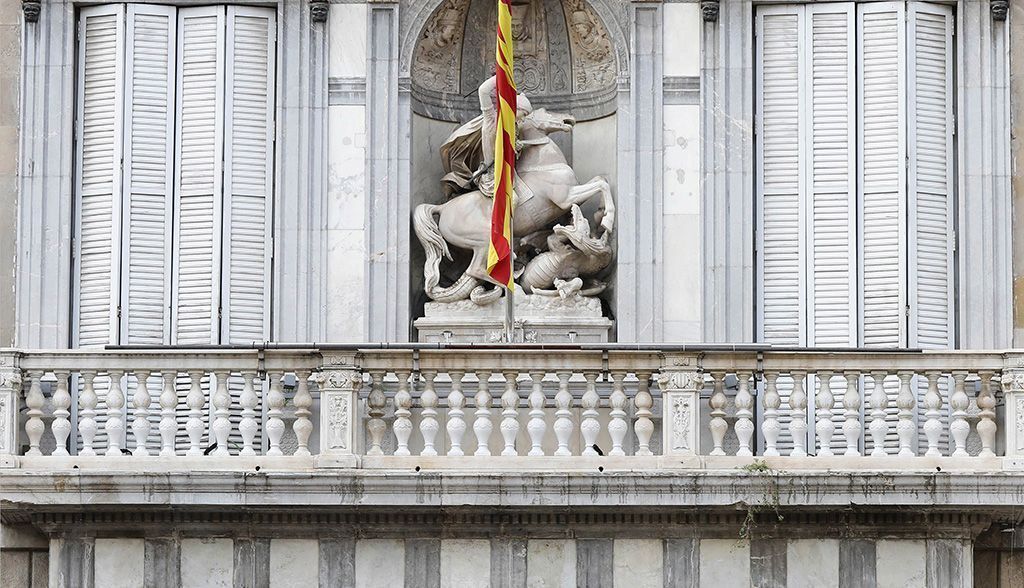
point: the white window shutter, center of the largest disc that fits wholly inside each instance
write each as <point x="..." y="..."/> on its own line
<point x="150" y="66"/>
<point x="100" y="106"/>
<point x="882" y="157"/>
<point x="780" y="178"/>
<point x="199" y="161"/>
<point x="248" y="173"/>
<point x="930" y="227"/>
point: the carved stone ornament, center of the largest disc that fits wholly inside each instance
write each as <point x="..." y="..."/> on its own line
<point x="339" y="379"/>
<point x="1013" y="382"/>
<point x="709" y="9"/>
<point x="338" y="418"/>
<point x="555" y="261"/>
<point x="318" y="10"/>
<point x="682" y="417"/>
<point x="680" y="381"/>
<point x="31" y="8"/>
<point x="1000" y="9"/>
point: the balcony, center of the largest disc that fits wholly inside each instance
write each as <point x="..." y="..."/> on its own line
<point x="518" y="426"/>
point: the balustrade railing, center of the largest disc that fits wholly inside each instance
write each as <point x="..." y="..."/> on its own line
<point x="372" y="407"/>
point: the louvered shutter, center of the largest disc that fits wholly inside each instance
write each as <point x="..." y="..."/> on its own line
<point x="248" y="173"/>
<point x="99" y="133"/>
<point x="930" y="193"/>
<point x="881" y="101"/>
<point x="780" y="178"/>
<point x="199" y="158"/>
<point x="98" y="165"/>
<point x="147" y="201"/>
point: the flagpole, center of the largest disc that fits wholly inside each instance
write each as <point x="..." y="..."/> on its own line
<point x="510" y="303"/>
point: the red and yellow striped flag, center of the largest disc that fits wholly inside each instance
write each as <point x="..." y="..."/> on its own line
<point x="499" y="253"/>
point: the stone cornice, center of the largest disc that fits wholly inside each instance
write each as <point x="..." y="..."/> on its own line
<point x="335" y="491"/>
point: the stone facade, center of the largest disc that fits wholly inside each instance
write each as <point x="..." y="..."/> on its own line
<point x="366" y="92"/>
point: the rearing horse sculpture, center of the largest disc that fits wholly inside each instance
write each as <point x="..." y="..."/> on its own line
<point x="546" y="188"/>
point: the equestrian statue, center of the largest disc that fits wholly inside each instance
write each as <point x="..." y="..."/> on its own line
<point x="552" y="259"/>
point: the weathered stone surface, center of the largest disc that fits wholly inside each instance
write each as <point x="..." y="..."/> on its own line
<point x="294" y="562"/>
<point x="638" y="563"/>
<point x="812" y="562"/>
<point x="120" y="563"/>
<point x="422" y="563"/>
<point x="465" y="562"/>
<point x="207" y="563"/>
<point x="725" y="563"/>
<point x="551" y="563"/>
<point x="594" y="563"/>
<point x="376" y="563"/>
<point x="900" y="563"/>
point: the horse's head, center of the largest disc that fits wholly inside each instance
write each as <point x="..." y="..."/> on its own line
<point x="551" y="122"/>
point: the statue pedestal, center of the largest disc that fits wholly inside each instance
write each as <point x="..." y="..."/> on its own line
<point x="539" y="319"/>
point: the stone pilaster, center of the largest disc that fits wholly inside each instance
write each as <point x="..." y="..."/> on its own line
<point x="681" y="381"/>
<point x="339" y="382"/>
<point x="639" y="197"/>
<point x="10" y="391"/>
<point x="1013" y="396"/>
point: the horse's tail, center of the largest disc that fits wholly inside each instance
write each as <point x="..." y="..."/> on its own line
<point x="433" y="243"/>
<point x="436" y="247"/>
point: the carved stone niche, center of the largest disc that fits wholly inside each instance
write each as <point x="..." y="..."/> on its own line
<point x="565" y="59"/>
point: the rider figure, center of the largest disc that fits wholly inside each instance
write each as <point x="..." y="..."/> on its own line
<point x="488" y="95"/>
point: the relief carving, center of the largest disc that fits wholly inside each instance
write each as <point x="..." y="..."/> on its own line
<point x="681" y="419"/>
<point x="338" y="420"/>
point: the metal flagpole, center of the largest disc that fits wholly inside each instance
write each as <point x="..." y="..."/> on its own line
<point x="510" y="303"/>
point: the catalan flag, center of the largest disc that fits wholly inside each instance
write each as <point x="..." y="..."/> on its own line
<point x="499" y="253"/>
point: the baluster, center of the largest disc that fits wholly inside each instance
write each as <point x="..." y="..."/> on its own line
<point x="375" y="410"/>
<point x="275" y="410"/>
<point x="878" y="425"/>
<point x="403" y="425"/>
<point x="303" y="427"/>
<point x="718" y="425"/>
<point x="168" y="413"/>
<point x="536" y="426"/>
<point x="34" y="400"/>
<point x="115" y="425"/>
<point x="987" y="415"/>
<point x="195" y="401"/>
<point x="959" y="428"/>
<point x="617" y="425"/>
<point x="798" y="422"/>
<point x="61" y="426"/>
<point x="428" y="424"/>
<point x="744" y="413"/>
<point x="590" y="427"/>
<point x="905" y="427"/>
<point x="823" y="403"/>
<point x="644" y="426"/>
<point x="509" y="412"/>
<point x="932" y="414"/>
<point x="770" y="427"/>
<point x="87" y="413"/>
<point x="563" y="414"/>
<point x="482" y="426"/>
<point x="247" y="427"/>
<point x="140" y="423"/>
<point x="851" y="404"/>
<point x="456" y="425"/>
<point x="221" y="410"/>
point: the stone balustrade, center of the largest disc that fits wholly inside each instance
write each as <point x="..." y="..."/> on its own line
<point x="375" y="407"/>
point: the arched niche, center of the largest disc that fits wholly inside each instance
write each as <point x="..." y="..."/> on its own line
<point x="570" y="56"/>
